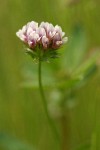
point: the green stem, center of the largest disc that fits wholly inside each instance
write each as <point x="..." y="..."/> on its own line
<point x="45" y="102"/>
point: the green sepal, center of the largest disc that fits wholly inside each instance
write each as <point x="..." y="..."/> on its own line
<point x="33" y="54"/>
<point x="44" y="55"/>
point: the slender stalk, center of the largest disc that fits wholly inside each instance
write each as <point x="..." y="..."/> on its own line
<point x="45" y="102"/>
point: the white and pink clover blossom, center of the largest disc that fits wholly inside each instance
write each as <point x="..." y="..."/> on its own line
<point x="45" y="35"/>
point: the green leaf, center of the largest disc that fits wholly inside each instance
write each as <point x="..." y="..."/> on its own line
<point x="88" y="67"/>
<point x="10" y="143"/>
<point x="67" y="84"/>
<point x="75" y="50"/>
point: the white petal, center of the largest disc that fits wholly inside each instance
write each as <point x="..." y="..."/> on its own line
<point x="29" y="31"/>
<point x="32" y="39"/>
<point x="30" y="43"/>
<point x="33" y="25"/>
<point x="51" y="34"/>
<point x="58" y="28"/>
<point x="33" y="36"/>
<point x="24" y="29"/>
<point x="63" y="33"/>
<point x="41" y="31"/>
<point x="18" y="33"/>
<point x="57" y="37"/>
<point x="45" y="41"/>
<point x="42" y="24"/>
<point x="21" y="35"/>
<point x="64" y="40"/>
<point x="51" y="27"/>
<point x="58" y="43"/>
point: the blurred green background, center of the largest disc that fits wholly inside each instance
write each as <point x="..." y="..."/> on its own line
<point x="21" y="111"/>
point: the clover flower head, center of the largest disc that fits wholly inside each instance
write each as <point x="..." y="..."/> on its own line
<point x="44" y="36"/>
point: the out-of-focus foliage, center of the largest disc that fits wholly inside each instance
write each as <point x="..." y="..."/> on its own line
<point x="7" y="142"/>
<point x="21" y="111"/>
